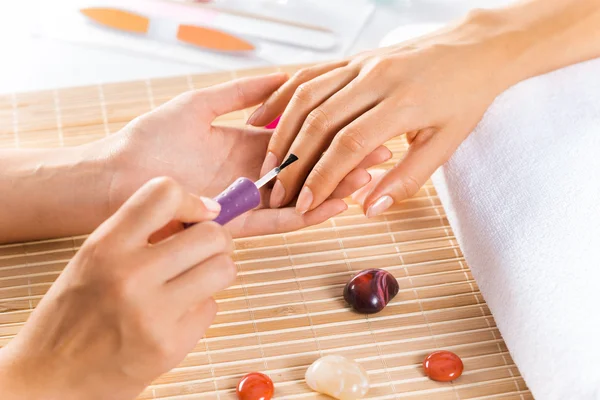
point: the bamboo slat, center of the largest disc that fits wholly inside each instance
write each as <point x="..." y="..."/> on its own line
<point x="286" y="308"/>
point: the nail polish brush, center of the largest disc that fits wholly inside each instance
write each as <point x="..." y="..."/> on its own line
<point x="244" y="195"/>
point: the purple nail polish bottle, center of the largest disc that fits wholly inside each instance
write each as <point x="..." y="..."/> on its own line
<point x="241" y="196"/>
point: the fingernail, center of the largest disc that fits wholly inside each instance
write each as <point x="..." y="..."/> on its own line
<point x="304" y="200"/>
<point x="269" y="163"/>
<point x="342" y="210"/>
<point x="257" y="113"/>
<point x="277" y="195"/>
<point x="211" y="205"/>
<point x="273" y="124"/>
<point x="382" y="204"/>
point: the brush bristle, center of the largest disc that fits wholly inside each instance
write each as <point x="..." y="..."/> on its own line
<point x="290" y="160"/>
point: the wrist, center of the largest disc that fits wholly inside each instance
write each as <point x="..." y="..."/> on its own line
<point x="20" y="379"/>
<point x="32" y="378"/>
<point x="534" y="37"/>
<point x="495" y="47"/>
<point x="12" y="383"/>
<point x="85" y="174"/>
<point x="52" y="192"/>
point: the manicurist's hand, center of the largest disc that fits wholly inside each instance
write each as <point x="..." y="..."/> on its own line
<point x="66" y="191"/>
<point x="434" y="89"/>
<point x="179" y="140"/>
<point x="124" y="311"/>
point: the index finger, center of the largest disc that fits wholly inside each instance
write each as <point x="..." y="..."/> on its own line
<point x="349" y="148"/>
<point x="277" y="102"/>
<point x="237" y="94"/>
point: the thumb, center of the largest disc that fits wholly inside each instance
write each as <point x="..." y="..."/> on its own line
<point x="409" y="175"/>
<point x="156" y="204"/>
<point x="237" y="94"/>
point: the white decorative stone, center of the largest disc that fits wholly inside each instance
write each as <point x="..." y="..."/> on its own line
<point x="338" y="377"/>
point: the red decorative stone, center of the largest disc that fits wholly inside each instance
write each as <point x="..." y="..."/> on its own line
<point x="255" y="386"/>
<point x="273" y="124"/>
<point x="443" y="366"/>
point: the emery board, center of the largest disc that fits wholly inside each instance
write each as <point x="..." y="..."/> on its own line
<point x="286" y="309"/>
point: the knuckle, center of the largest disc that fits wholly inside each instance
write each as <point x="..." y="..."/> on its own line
<point x="409" y="186"/>
<point x="319" y="176"/>
<point x="303" y="94"/>
<point x="361" y="58"/>
<point x="379" y="65"/>
<point x="221" y="238"/>
<point x="167" y="187"/>
<point x="302" y="75"/>
<point x="122" y="286"/>
<point x="317" y="121"/>
<point x="352" y="140"/>
<point x="163" y="184"/>
<point x="97" y="257"/>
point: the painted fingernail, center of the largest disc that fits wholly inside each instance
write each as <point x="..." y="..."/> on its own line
<point x="255" y="115"/>
<point x="277" y="195"/>
<point x="211" y="205"/>
<point x="269" y="163"/>
<point x="273" y="124"/>
<point x="382" y="204"/>
<point x="304" y="200"/>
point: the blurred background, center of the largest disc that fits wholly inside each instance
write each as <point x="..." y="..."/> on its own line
<point x="49" y="44"/>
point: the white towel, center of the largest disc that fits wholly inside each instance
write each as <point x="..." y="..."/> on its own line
<point x="522" y="194"/>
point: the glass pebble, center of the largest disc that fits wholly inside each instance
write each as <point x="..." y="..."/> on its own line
<point x="443" y="366"/>
<point x="370" y="290"/>
<point x="255" y="386"/>
<point x="338" y="377"/>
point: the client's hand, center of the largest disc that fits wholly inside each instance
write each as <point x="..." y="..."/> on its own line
<point x="178" y="140"/>
<point x="124" y="311"/>
<point x="434" y="89"/>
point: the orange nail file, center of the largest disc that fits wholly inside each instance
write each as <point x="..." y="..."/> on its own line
<point x="162" y="29"/>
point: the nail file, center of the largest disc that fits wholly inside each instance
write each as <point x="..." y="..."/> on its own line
<point x="244" y="195"/>
<point x="167" y="30"/>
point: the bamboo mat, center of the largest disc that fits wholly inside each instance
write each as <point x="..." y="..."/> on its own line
<point x="286" y="308"/>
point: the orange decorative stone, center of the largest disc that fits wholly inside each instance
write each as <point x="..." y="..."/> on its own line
<point x="255" y="386"/>
<point x="443" y="366"/>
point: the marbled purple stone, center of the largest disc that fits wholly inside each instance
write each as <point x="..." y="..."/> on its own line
<point x="370" y="290"/>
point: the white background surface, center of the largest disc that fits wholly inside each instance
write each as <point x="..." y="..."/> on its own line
<point x="34" y="61"/>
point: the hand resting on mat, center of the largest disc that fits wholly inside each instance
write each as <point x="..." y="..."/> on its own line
<point x="124" y="311"/>
<point x="136" y="297"/>
<point x="67" y="191"/>
<point x="434" y="89"/>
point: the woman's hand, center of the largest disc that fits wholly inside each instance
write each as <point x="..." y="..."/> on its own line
<point x="68" y="191"/>
<point x="124" y="311"/>
<point x="434" y="89"/>
<point x="178" y="140"/>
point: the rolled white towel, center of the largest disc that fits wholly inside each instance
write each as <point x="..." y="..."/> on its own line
<point x="522" y="194"/>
